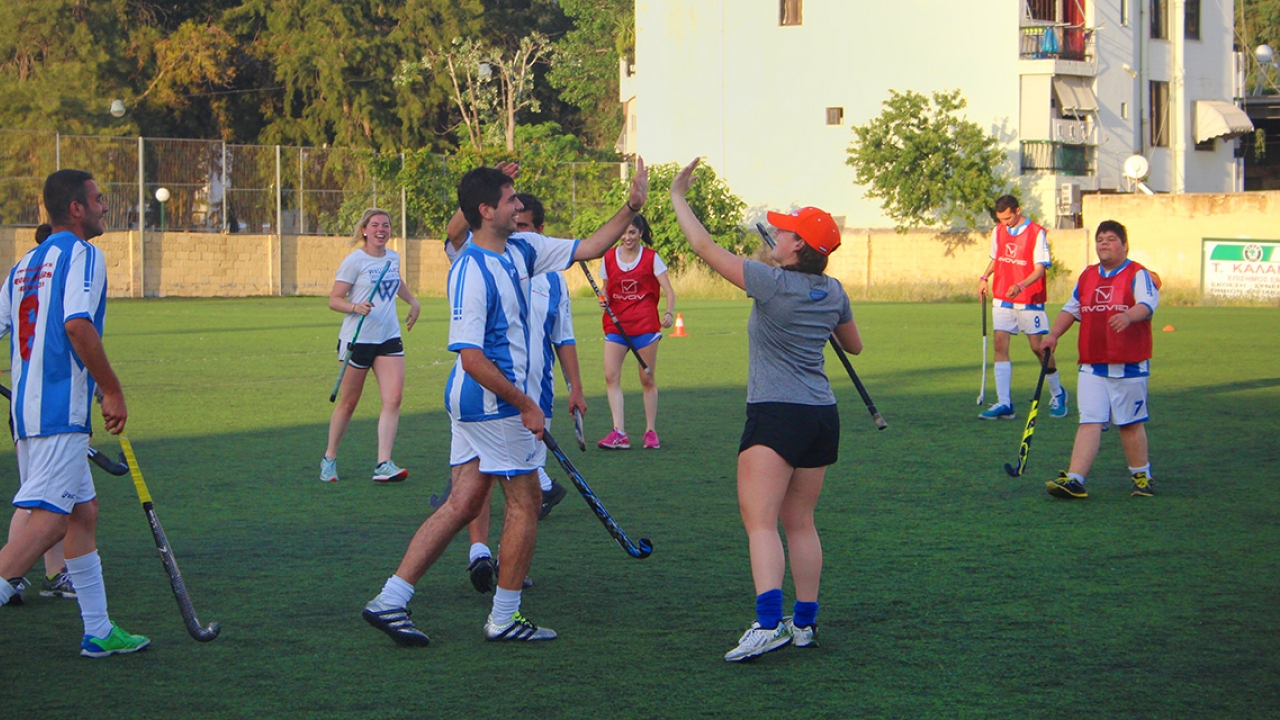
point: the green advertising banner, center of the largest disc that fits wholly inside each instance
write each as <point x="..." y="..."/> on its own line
<point x="1241" y="269"/>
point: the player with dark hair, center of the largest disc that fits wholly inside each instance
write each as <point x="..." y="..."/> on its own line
<point x="1113" y="302"/>
<point x="550" y="337"/>
<point x="1019" y="260"/>
<point x="379" y="347"/>
<point x="55" y="303"/>
<point x="497" y="425"/>
<point x="792" y="431"/>
<point x="632" y="276"/>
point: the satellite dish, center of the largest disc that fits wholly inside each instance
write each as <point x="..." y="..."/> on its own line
<point x="1137" y="168"/>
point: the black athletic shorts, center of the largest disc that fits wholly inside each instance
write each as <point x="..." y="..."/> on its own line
<point x="363" y="353"/>
<point x="806" y="436"/>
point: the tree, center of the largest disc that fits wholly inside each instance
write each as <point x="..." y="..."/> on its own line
<point x="928" y="165"/>
<point x="586" y="69"/>
<point x="1258" y="23"/>
<point x="490" y="86"/>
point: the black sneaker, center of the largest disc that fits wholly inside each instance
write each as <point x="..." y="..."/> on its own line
<point x="519" y="628"/>
<point x="395" y="622"/>
<point x="551" y="498"/>
<point x="1066" y="487"/>
<point x="484" y="574"/>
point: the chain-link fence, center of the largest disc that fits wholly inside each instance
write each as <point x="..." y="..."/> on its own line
<point x="217" y="187"/>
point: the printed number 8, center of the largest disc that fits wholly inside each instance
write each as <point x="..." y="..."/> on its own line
<point x="28" y="311"/>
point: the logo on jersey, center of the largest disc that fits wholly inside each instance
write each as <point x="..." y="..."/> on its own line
<point x="1010" y="249"/>
<point x="816" y="295"/>
<point x="1102" y="301"/>
<point x="1102" y="295"/>
<point x="629" y="286"/>
<point x="387" y="290"/>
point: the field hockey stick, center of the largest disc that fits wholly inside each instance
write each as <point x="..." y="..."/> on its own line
<point x="857" y="383"/>
<point x="982" y="391"/>
<point x="646" y="547"/>
<point x="202" y="634"/>
<point x="99" y="459"/>
<point x="577" y="430"/>
<point x="613" y="317"/>
<point x="346" y="356"/>
<point x="1024" y="449"/>
<point x="881" y="424"/>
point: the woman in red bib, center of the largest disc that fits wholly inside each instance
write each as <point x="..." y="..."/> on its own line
<point x="633" y="275"/>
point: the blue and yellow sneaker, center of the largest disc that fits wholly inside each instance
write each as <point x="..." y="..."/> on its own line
<point x="118" y="642"/>
<point x="1142" y="485"/>
<point x="1058" y="407"/>
<point x="1066" y="487"/>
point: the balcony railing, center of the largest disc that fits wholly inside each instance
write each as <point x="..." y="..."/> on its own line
<point x="1044" y="156"/>
<point x="1041" y="42"/>
<point x="1073" y="132"/>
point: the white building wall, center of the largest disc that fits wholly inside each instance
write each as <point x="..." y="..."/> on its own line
<point x="723" y="80"/>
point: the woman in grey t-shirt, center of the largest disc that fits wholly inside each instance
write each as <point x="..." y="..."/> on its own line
<point x="792" y="431"/>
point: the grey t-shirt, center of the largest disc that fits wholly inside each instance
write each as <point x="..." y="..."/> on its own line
<point x="793" y="315"/>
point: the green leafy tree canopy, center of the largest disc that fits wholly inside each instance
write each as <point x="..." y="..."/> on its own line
<point x="928" y="165"/>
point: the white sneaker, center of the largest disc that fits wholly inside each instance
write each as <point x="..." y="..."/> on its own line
<point x="757" y="641"/>
<point x="802" y="636"/>
<point x="518" y="629"/>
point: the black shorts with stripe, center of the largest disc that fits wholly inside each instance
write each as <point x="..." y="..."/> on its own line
<point x="806" y="436"/>
<point x="363" y="354"/>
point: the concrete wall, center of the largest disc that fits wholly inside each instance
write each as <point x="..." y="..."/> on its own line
<point x="1165" y="234"/>
<point x="1166" y="231"/>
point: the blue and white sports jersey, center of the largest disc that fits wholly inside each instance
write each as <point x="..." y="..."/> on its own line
<point x="550" y="326"/>
<point x="1144" y="293"/>
<point x="61" y="279"/>
<point x="489" y="298"/>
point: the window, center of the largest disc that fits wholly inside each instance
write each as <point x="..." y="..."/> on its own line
<point x="789" y="12"/>
<point x="835" y="115"/>
<point x="1191" y="21"/>
<point x="1124" y="111"/>
<point x="1159" y="114"/>
<point x="1159" y="19"/>
<point x="1124" y="13"/>
<point x="1043" y="10"/>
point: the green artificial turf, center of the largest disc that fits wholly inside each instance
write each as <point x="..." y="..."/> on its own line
<point x="949" y="590"/>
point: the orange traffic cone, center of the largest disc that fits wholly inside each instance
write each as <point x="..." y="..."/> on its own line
<point x="679" y="331"/>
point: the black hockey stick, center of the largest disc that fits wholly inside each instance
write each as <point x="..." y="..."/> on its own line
<point x="881" y="424"/>
<point x="102" y="461"/>
<point x="646" y="547"/>
<point x="1024" y="449"/>
<point x="203" y="634"/>
<point x="577" y="430"/>
<point x="613" y="317"/>
<point x="437" y="499"/>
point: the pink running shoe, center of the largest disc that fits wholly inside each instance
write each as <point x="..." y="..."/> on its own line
<point x="615" y="441"/>
<point x="651" y="440"/>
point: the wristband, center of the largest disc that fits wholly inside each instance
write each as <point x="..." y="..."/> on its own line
<point x="983" y="278"/>
<point x="632" y="209"/>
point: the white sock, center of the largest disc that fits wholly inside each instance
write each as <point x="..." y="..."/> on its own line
<point x="1076" y="476"/>
<point x="1144" y="469"/>
<point x="478" y="550"/>
<point x="1055" y="383"/>
<point x="91" y="593"/>
<point x="506" y="603"/>
<point x="544" y="480"/>
<point x="6" y="591"/>
<point x="396" y="592"/>
<point x="1004" y="378"/>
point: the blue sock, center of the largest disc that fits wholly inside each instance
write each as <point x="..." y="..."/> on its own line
<point x="806" y="614"/>
<point x="769" y="608"/>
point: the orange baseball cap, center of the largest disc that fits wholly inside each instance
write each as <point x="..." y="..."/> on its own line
<point x="813" y="225"/>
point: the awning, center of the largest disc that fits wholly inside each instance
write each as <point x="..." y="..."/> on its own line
<point x="1218" y="119"/>
<point x="1074" y="95"/>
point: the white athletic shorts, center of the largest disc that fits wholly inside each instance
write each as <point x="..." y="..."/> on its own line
<point x="54" y="473"/>
<point x="1122" y="401"/>
<point x="505" y="447"/>
<point x="1012" y="320"/>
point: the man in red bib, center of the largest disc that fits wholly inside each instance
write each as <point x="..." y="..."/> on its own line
<point x="1019" y="260"/>
<point x="1113" y="301"/>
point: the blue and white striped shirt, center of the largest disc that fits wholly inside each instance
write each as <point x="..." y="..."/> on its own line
<point x="61" y="279"/>
<point x="489" y="298"/>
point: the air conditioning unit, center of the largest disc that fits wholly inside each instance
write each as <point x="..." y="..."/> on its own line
<point x="1069" y="199"/>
